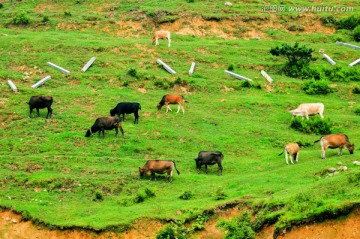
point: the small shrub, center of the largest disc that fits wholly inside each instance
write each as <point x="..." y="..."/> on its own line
<point x="190" y="1"/>
<point x="356" y="90"/>
<point x="200" y="222"/>
<point x="1" y="5"/>
<point x="314" y="87"/>
<point x="166" y="233"/>
<point x="178" y="81"/>
<point x="149" y="192"/>
<point x="220" y="194"/>
<point x="231" y="67"/>
<point x="186" y="195"/>
<point x="239" y="227"/>
<point x="315" y="125"/>
<point x="132" y="72"/>
<point x="98" y="196"/>
<point x="348" y="23"/>
<point x="46" y="19"/>
<point x="357" y="111"/>
<point x="140" y="197"/>
<point x="159" y="83"/>
<point x="328" y="20"/>
<point x="356" y="33"/>
<point x="125" y="83"/>
<point x="21" y="19"/>
<point x="67" y="14"/>
<point x="173" y="231"/>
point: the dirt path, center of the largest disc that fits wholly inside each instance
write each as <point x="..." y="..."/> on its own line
<point x="12" y="228"/>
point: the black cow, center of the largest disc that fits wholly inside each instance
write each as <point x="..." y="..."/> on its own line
<point x="105" y="123"/>
<point x="209" y="158"/>
<point x="40" y="102"/>
<point x="127" y="108"/>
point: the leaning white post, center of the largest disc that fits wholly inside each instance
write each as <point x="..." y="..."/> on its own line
<point x="59" y="68"/>
<point x="12" y="85"/>
<point x="329" y="59"/>
<point x="171" y="71"/>
<point x="354" y="62"/>
<point x="266" y="76"/>
<point x="348" y="45"/>
<point x="237" y="76"/>
<point x="192" y="67"/>
<point x="41" y="82"/>
<point x="88" y="64"/>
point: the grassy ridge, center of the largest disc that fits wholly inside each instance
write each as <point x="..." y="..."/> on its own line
<point x="51" y="172"/>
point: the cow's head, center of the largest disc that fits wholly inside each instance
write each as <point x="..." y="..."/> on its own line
<point x="112" y="112"/>
<point x="296" y="113"/>
<point x="198" y="165"/>
<point x="88" y="133"/>
<point x="351" y="148"/>
<point x="159" y="106"/>
<point x="142" y="171"/>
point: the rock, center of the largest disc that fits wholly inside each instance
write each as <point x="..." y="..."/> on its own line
<point x="331" y="170"/>
<point x="342" y="168"/>
<point x="228" y="4"/>
<point x="356" y="163"/>
<point x="339" y="163"/>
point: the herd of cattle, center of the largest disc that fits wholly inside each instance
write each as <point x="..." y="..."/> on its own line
<point x="205" y="158"/>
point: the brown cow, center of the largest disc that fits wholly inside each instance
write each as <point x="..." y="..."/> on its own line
<point x="105" y="123"/>
<point x="293" y="150"/>
<point x="161" y="35"/>
<point x="158" y="166"/>
<point x="334" y="141"/>
<point x="172" y="99"/>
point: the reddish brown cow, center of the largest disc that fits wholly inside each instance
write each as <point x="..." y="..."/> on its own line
<point x="293" y="150"/>
<point x="172" y="99"/>
<point x="105" y="123"/>
<point x="161" y="35"/>
<point x="158" y="166"/>
<point x="334" y="141"/>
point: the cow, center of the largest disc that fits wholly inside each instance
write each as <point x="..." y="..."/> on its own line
<point x="41" y="102"/>
<point x="127" y="108"/>
<point x="172" y="99"/>
<point x="160" y="167"/>
<point x="161" y="35"/>
<point x="105" y="123"/>
<point x="308" y="109"/>
<point x="293" y="150"/>
<point x="334" y="141"/>
<point x="209" y="158"/>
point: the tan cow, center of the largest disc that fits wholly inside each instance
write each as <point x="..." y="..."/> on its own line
<point x="172" y="99"/>
<point x="293" y="150"/>
<point x="334" y="141"/>
<point x="161" y="35"/>
<point x="158" y="166"/>
<point x="308" y="109"/>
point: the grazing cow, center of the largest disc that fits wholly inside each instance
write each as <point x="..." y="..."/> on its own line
<point x="105" y="123"/>
<point x="158" y="166"/>
<point x="127" y="108"/>
<point x="209" y="158"/>
<point x="172" y="99"/>
<point x="334" y="141"/>
<point x="308" y="109"/>
<point x="40" y="102"/>
<point x="293" y="150"/>
<point x="161" y="35"/>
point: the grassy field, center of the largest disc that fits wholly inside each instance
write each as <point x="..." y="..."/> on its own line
<point x="52" y="174"/>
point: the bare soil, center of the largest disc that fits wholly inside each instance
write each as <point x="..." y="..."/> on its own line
<point x="11" y="227"/>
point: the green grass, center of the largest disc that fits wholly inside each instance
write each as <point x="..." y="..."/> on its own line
<point x="50" y="172"/>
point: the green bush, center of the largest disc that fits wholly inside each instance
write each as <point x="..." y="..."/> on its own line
<point x="317" y="87"/>
<point x="239" y="227"/>
<point x="21" y="19"/>
<point x="328" y="20"/>
<point x="356" y="90"/>
<point x="67" y="14"/>
<point x="186" y="195"/>
<point x="200" y="223"/>
<point x="1" y="5"/>
<point x="149" y="192"/>
<point x="356" y="33"/>
<point x="231" y="67"/>
<point x="172" y="231"/>
<point x="140" y="197"/>
<point x="344" y="74"/>
<point x="220" y="194"/>
<point x="315" y="125"/>
<point x="357" y="111"/>
<point x="348" y="23"/>
<point x="132" y="72"/>
<point x="46" y="19"/>
<point x="98" y="196"/>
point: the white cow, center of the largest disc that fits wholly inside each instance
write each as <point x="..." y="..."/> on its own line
<point x="293" y="150"/>
<point x="309" y="109"/>
<point x="161" y="35"/>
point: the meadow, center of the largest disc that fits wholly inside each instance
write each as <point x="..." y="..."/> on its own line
<point x="53" y="175"/>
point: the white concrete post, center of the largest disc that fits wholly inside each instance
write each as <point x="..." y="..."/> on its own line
<point x="348" y="45"/>
<point x="192" y="67"/>
<point x="59" y="68"/>
<point x="171" y="71"/>
<point x="12" y="86"/>
<point x="237" y="76"/>
<point x="41" y="82"/>
<point x="354" y="62"/>
<point x="88" y="64"/>
<point x="266" y="76"/>
<point x="329" y="59"/>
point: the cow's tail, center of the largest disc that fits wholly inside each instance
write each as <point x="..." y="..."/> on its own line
<point x="317" y="140"/>
<point x="176" y="168"/>
<point x="139" y="107"/>
<point x="281" y="153"/>
<point x="184" y="99"/>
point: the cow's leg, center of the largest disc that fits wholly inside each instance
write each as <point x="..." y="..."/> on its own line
<point x="296" y="157"/>
<point x="220" y="168"/>
<point x="321" y="114"/>
<point x="323" y="149"/>
<point x="49" y="112"/>
<point x="340" y="151"/>
<point x="291" y="158"/>
<point x="136" y="114"/>
<point x="37" y="110"/>
<point x="178" y="108"/>
<point x="206" y="169"/>
<point x="116" y="131"/>
<point x="307" y="116"/>
<point x="122" y="131"/>
<point x="153" y="176"/>
<point x="286" y="157"/>
<point x="156" y="41"/>
<point x="31" y="110"/>
<point x="169" y="41"/>
<point x="199" y="169"/>
<point x="170" y="176"/>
